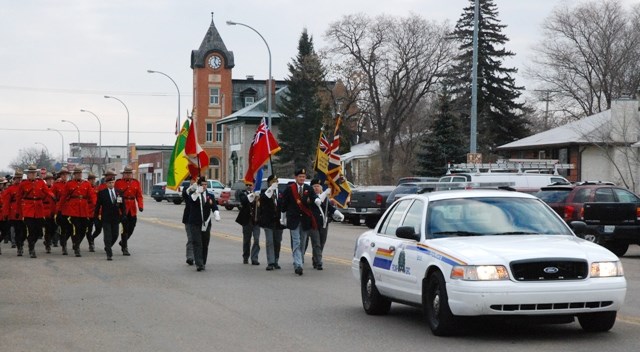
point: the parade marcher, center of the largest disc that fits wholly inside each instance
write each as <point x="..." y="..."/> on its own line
<point x="269" y="220"/>
<point x="77" y="198"/>
<point x="202" y="205"/>
<point x="97" y="221"/>
<point x="13" y="212"/>
<point x="247" y="217"/>
<point x="62" y="221"/>
<point x="91" y="178"/>
<point x="110" y="209"/>
<point x="30" y="196"/>
<point x="297" y="200"/>
<point x="5" y="233"/>
<point x="185" y="221"/>
<point x="132" y="196"/>
<point x="323" y="214"/>
<point x="49" y="204"/>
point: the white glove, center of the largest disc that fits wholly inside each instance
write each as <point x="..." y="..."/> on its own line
<point x="216" y="215"/>
<point x="337" y="216"/>
<point x="251" y="196"/>
<point x="256" y="194"/>
<point x="283" y="219"/>
<point x="200" y="189"/>
<point x="192" y="188"/>
<point x="318" y="201"/>
<point x="324" y="194"/>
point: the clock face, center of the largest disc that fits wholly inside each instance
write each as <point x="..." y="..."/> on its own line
<point x="215" y="62"/>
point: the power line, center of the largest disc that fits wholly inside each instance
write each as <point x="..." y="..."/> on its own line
<point x="103" y="131"/>
<point x="86" y="91"/>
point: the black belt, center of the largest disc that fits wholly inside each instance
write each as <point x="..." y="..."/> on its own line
<point x="130" y="198"/>
<point x="31" y="198"/>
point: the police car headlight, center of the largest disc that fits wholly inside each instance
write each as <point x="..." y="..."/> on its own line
<point x="479" y="272"/>
<point x="606" y="269"/>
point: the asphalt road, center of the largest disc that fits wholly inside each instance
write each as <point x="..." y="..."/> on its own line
<point x="153" y="301"/>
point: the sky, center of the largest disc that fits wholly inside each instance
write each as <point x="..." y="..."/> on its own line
<point x="58" y="57"/>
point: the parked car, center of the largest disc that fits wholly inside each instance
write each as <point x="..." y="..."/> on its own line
<point x="610" y="212"/>
<point x="216" y="187"/>
<point x="160" y="192"/>
<point x="234" y="199"/>
<point x="406" y="188"/>
<point x="416" y="179"/>
<point x="463" y="253"/>
<point x="224" y="199"/>
<point x="367" y="202"/>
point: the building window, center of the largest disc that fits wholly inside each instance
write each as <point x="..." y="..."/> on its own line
<point x="214" y="96"/>
<point x="208" y="137"/>
<point x="240" y="167"/>
<point x="248" y="101"/>
<point x="235" y="135"/>
<point x="218" y="133"/>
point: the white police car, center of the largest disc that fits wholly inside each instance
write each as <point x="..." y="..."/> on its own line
<point x="485" y="253"/>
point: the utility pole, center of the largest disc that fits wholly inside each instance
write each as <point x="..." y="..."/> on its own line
<point x="546" y="99"/>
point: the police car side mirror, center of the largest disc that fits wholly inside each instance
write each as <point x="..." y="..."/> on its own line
<point x="579" y="227"/>
<point x="407" y="232"/>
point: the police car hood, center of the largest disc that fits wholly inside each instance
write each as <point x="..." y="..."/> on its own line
<point x="502" y="249"/>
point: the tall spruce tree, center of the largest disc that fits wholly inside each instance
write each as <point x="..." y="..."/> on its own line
<point x="445" y="141"/>
<point x="301" y="109"/>
<point x="500" y="118"/>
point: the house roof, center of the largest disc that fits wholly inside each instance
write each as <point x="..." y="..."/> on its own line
<point x="582" y="131"/>
<point x="255" y="111"/>
<point x="359" y="151"/>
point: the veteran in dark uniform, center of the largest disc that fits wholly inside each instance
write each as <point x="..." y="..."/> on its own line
<point x="297" y="200"/>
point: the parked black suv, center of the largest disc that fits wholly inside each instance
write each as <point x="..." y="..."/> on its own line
<point x="611" y="213"/>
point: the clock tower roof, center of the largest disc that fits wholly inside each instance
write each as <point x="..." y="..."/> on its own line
<point x="212" y="42"/>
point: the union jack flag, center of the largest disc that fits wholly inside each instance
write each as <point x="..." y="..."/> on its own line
<point x="329" y="168"/>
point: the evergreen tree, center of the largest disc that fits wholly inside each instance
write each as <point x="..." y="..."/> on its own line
<point x="445" y="142"/>
<point x="500" y="118"/>
<point x="301" y="109"/>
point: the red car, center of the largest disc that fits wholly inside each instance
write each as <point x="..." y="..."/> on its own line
<point x="224" y="200"/>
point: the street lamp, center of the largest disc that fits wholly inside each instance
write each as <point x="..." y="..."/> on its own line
<point x="232" y="23"/>
<point x="99" y="137"/>
<point x="126" y="161"/>
<point x="45" y="147"/>
<point x="178" y="89"/>
<point x="77" y="129"/>
<point x="61" y="136"/>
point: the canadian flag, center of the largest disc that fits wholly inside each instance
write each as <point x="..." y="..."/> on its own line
<point x="198" y="158"/>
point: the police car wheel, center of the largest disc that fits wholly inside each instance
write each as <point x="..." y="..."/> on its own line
<point x="436" y="306"/>
<point x="597" y="322"/>
<point x="372" y="301"/>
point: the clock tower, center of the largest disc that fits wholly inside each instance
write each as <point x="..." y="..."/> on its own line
<point x="212" y="64"/>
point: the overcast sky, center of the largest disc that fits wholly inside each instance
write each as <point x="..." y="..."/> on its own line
<point x="58" y="57"/>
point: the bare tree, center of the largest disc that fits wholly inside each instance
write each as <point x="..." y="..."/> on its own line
<point x="394" y="63"/>
<point x="32" y="156"/>
<point x="589" y="55"/>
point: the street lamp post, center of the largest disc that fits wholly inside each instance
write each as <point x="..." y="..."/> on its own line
<point x="77" y="129"/>
<point x="45" y="147"/>
<point x="233" y="23"/>
<point x="126" y="162"/>
<point x="61" y="136"/>
<point x="99" y="138"/>
<point x="178" y="89"/>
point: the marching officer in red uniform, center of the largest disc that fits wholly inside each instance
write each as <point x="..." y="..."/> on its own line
<point x="49" y="204"/>
<point x="13" y="211"/>
<point x="4" y="228"/>
<point x="91" y="178"/>
<point x="30" y="195"/>
<point x="77" y="198"/>
<point x="61" y="220"/>
<point x="131" y="194"/>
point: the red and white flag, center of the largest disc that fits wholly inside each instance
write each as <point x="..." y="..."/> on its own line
<point x="198" y="158"/>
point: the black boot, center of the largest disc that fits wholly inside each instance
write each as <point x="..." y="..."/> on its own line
<point x="64" y="249"/>
<point x="48" y="248"/>
<point x="32" y="253"/>
<point x="20" y="251"/>
<point x="125" y="251"/>
<point x="91" y="247"/>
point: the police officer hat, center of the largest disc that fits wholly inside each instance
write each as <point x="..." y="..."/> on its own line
<point x="315" y="181"/>
<point x="91" y="176"/>
<point x="3" y="180"/>
<point x="48" y="176"/>
<point x="64" y="170"/>
<point x="77" y="170"/>
<point x="32" y="168"/>
<point x="127" y="170"/>
<point x="17" y="174"/>
<point x="300" y="171"/>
